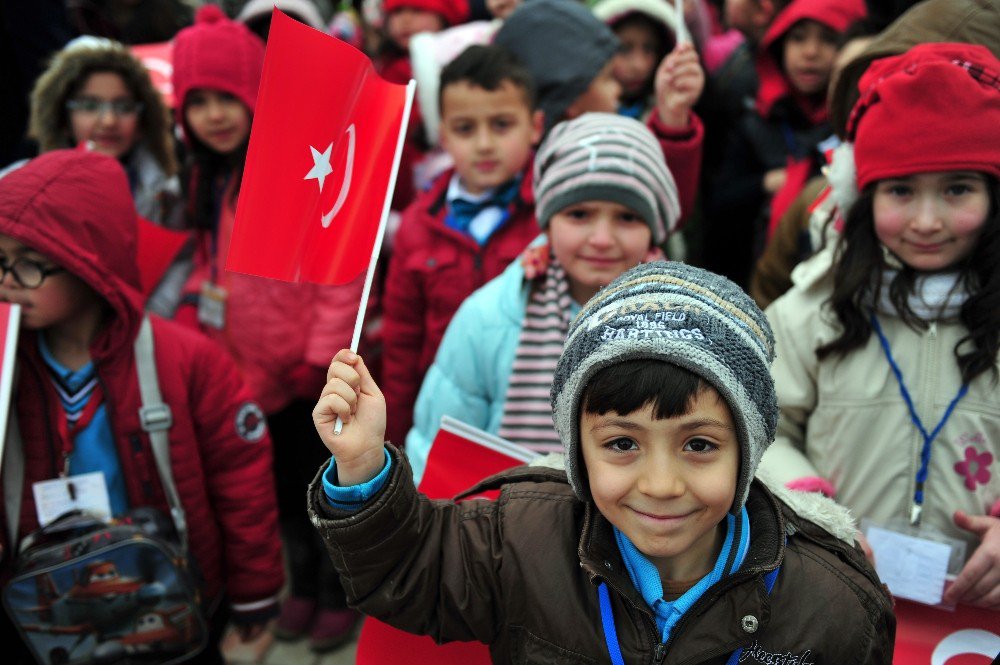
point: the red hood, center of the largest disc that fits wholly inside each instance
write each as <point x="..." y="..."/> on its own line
<point x="837" y="15"/>
<point x="75" y="207"/>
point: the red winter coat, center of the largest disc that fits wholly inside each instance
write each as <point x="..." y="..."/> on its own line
<point x="78" y="212"/>
<point x="432" y="270"/>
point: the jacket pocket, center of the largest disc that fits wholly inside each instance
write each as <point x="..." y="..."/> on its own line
<point x="529" y="649"/>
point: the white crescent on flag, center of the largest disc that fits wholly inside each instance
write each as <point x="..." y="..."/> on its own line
<point x="971" y="641"/>
<point x="321" y="168"/>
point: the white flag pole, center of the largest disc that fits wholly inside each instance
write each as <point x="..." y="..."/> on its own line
<point x="359" y="322"/>
<point x="682" y="35"/>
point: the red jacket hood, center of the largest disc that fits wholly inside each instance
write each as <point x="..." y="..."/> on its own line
<point x="75" y="207"/>
<point x="837" y="15"/>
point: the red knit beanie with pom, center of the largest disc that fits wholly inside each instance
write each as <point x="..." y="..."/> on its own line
<point x="452" y="11"/>
<point x="934" y="108"/>
<point x="218" y="54"/>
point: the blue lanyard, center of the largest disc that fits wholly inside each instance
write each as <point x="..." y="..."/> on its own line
<point x="925" y="453"/>
<point x="611" y="634"/>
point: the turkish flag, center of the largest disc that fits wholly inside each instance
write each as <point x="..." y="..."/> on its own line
<point x="324" y="150"/>
<point x="931" y="636"/>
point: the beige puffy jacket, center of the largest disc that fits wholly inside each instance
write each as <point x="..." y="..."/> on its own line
<point x="843" y="419"/>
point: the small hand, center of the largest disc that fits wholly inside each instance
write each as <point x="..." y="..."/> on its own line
<point x="774" y="180"/>
<point x="352" y="395"/>
<point x="679" y="82"/>
<point x="979" y="582"/>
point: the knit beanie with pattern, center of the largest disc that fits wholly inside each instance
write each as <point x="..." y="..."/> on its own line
<point x="606" y="157"/>
<point x="218" y="54"/>
<point x="563" y="45"/>
<point x="688" y="317"/>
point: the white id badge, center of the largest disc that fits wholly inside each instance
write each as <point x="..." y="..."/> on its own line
<point x="212" y="306"/>
<point x="916" y="562"/>
<point x="87" y="492"/>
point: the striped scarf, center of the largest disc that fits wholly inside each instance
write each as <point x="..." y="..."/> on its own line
<point x="527" y="412"/>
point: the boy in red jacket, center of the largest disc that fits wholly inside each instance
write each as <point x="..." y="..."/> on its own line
<point x="473" y="222"/>
<point x="68" y="258"/>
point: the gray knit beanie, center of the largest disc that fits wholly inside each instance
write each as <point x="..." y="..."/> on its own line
<point x="606" y="157"/>
<point x="563" y="45"/>
<point x="686" y="316"/>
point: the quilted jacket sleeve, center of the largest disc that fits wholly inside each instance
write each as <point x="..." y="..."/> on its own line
<point x="427" y="567"/>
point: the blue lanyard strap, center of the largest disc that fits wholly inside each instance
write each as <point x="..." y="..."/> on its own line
<point x="925" y="452"/>
<point x="608" y="621"/>
<point x="611" y="634"/>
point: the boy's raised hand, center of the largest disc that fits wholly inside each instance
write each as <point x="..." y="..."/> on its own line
<point x="678" y="84"/>
<point x="352" y="395"/>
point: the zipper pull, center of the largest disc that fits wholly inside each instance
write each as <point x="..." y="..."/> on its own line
<point x="659" y="653"/>
<point x="65" y="469"/>
<point x="933" y="329"/>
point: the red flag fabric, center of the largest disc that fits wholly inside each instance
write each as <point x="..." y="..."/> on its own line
<point x="157" y="248"/>
<point x="323" y="152"/>
<point x="459" y="458"/>
<point x="930" y="636"/>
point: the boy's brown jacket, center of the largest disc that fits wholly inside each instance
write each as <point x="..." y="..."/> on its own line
<point x="521" y="573"/>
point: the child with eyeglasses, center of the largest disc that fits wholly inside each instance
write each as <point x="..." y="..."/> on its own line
<point x="96" y="92"/>
<point x="68" y="258"/>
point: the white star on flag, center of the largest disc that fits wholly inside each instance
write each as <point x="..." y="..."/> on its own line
<point x="321" y="165"/>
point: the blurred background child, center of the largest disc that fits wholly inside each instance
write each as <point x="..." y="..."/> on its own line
<point x="787" y="125"/>
<point x="96" y="91"/>
<point x="647" y="30"/>
<point x="473" y="222"/>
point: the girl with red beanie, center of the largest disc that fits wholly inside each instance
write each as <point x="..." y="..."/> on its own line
<point x="887" y="345"/>
<point x="281" y="335"/>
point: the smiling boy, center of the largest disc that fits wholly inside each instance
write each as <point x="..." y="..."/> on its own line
<point x="655" y="544"/>
<point x="470" y="225"/>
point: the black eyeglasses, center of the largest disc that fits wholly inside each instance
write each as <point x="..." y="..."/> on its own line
<point x="29" y="274"/>
<point x="95" y="106"/>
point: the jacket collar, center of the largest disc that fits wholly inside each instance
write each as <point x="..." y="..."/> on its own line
<point x="707" y="621"/>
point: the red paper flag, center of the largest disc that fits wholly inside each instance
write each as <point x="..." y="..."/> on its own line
<point x="324" y="149"/>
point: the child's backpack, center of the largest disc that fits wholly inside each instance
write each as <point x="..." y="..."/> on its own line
<point x="86" y="591"/>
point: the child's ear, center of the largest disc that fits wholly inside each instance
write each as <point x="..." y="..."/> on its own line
<point x="537" y="125"/>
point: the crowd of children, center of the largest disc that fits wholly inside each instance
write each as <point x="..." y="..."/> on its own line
<point x="574" y="231"/>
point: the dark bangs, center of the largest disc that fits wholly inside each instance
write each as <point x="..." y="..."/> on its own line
<point x="631" y="385"/>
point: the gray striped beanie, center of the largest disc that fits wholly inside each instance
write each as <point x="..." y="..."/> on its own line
<point x="606" y="157"/>
<point x="686" y="316"/>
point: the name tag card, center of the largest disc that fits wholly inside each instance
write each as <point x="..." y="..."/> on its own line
<point x="87" y="492"/>
<point x="915" y="562"/>
<point x="212" y="306"/>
